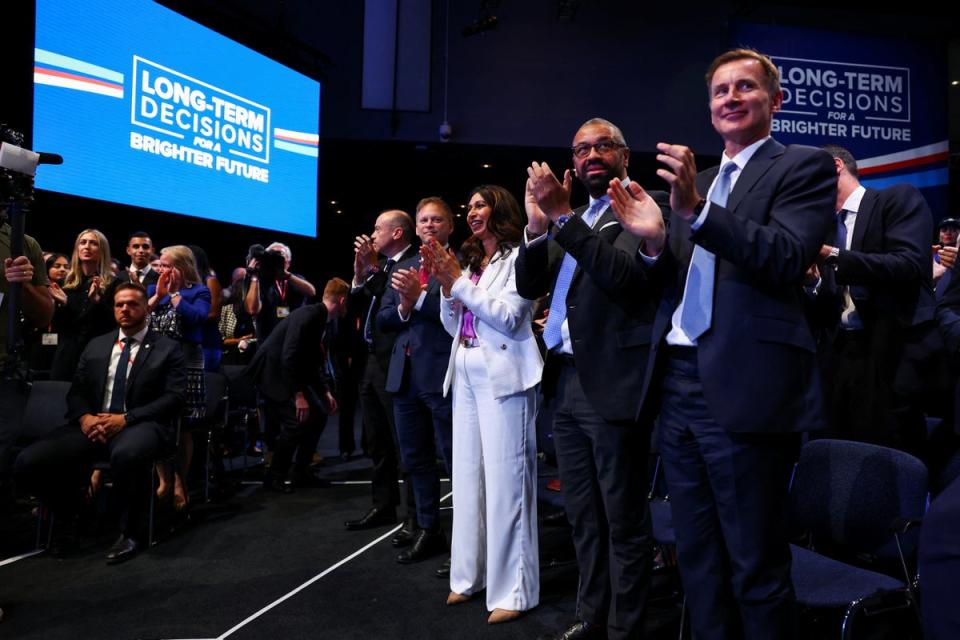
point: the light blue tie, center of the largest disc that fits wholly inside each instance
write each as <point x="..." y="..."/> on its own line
<point x="697" y="312"/>
<point x="552" y="335"/>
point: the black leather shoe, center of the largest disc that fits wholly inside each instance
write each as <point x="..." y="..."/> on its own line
<point x="277" y="484"/>
<point x="407" y="533"/>
<point x="122" y="550"/>
<point x="443" y="571"/>
<point x="309" y="481"/>
<point x="427" y="544"/>
<point x="376" y="517"/>
<point x="580" y="630"/>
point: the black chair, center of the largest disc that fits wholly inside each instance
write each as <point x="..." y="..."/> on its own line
<point x="855" y="501"/>
<point x="242" y="404"/>
<point x="46" y="409"/>
<point x="214" y="420"/>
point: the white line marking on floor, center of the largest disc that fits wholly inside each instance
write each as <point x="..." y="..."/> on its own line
<point x="29" y="554"/>
<point x="309" y="582"/>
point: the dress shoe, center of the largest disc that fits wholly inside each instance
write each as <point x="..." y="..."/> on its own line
<point x="122" y="550"/>
<point x="407" y="533"/>
<point x="277" y="484"/>
<point x="503" y="615"/>
<point x="458" y="598"/>
<point x="580" y="630"/>
<point x="375" y="517"/>
<point x="426" y="544"/>
<point x="443" y="571"/>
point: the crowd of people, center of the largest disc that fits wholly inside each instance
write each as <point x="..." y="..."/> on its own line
<point x="743" y="306"/>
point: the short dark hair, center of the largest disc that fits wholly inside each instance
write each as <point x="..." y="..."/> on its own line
<point x="135" y="286"/>
<point x="836" y="151"/>
<point x="139" y="234"/>
<point x="437" y="202"/>
<point x="769" y="69"/>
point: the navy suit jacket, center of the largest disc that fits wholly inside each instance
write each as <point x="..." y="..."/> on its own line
<point x="155" y="388"/>
<point x="611" y="305"/>
<point x="368" y="299"/>
<point x="422" y="334"/>
<point x="757" y="362"/>
<point x="291" y="360"/>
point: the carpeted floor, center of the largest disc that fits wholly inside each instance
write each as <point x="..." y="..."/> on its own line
<point x="234" y="571"/>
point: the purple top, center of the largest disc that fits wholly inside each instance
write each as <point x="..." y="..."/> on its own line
<point x="466" y="329"/>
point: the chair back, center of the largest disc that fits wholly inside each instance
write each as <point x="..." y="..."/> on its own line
<point x="46" y="409"/>
<point x="242" y="391"/>
<point x="217" y="396"/>
<point x="849" y="494"/>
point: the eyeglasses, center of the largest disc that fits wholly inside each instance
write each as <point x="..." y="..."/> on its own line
<point x="603" y="147"/>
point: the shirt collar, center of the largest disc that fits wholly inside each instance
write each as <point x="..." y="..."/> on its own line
<point x="399" y="256"/>
<point x="852" y="203"/>
<point x="606" y="199"/>
<point x="742" y="158"/>
<point x="138" y="336"/>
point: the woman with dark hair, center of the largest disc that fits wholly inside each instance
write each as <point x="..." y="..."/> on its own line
<point x="179" y="306"/>
<point x="211" y="341"/>
<point x="494" y="367"/>
<point x="86" y="309"/>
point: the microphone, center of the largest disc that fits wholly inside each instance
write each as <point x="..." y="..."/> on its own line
<point x="23" y="160"/>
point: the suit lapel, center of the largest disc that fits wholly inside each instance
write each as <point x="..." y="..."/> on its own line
<point x="862" y="221"/>
<point x="143" y="353"/>
<point x="759" y="164"/>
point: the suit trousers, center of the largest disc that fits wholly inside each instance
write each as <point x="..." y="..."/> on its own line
<point x="494" y="543"/>
<point x="286" y="435"/>
<point x="603" y="481"/>
<point x="380" y="436"/>
<point x="728" y="492"/>
<point x="58" y="465"/>
<point x="424" y="430"/>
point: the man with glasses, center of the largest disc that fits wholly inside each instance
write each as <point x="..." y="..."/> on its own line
<point x="598" y="336"/>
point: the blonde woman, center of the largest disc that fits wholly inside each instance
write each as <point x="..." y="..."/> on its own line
<point x="179" y="305"/>
<point x="87" y="310"/>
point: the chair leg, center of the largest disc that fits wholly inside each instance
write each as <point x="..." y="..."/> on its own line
<point x="153" y="502"/>
<point x="683" y="616"/>
<point x="206" y="467"/>
<point x="846" y="627"/>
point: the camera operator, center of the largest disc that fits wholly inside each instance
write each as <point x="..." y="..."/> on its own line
<point x="273" y="292"/>
<point x="36" y="305"/>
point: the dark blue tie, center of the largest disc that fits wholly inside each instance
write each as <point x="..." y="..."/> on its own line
<point x="368" y="323"/>
<point x="842" y="229"/>
<point x="120" y="378"/>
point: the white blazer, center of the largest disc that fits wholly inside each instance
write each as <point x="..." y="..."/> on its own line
<point x="501" y="319"/>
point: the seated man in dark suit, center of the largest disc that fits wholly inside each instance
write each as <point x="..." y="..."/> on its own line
<point x="289" y="373"/>
<point x="128" y="388"/>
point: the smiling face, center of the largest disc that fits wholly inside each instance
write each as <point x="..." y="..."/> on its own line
<point x="478" y="216"/>
<point x="88" y="248"/>
<point x="741" y="105"/>
<point x="139" y="248"/>
<point x="433" y="224"/>
<point x="595" y="169"/>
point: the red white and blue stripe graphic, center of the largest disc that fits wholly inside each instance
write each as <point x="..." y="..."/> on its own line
<point x="922" y="167"/>
<point x="306" y="144"/>
<point x="59" y="70"/>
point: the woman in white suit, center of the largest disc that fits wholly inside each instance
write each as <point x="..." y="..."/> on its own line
<point x="494" y="366"/>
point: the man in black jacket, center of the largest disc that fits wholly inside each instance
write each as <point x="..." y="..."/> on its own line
<point x="128" y="389"/>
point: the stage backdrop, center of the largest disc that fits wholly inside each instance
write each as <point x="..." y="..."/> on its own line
<point x="883" y="99"/>
<point x="150" y="109"/>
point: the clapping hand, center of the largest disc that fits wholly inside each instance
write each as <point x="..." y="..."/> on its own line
<point x="639" y="214"/>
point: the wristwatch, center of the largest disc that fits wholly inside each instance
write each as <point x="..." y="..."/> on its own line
<point x="562" y="220"/>
<point x="831" y="258"/>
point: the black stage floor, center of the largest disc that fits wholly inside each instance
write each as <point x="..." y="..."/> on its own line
<point x="265" y="565"/>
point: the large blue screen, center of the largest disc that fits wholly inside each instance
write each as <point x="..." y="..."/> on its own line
<point x="150" y="109"/>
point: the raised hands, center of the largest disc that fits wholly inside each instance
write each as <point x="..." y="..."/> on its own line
<point x="364" y="257"/>
<point x="441" y="264"/>
<point x="681" y="173"/>
<point x="639" y="214"/>
<point x="552" y="198"/>
<point x="406" y="282"/>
